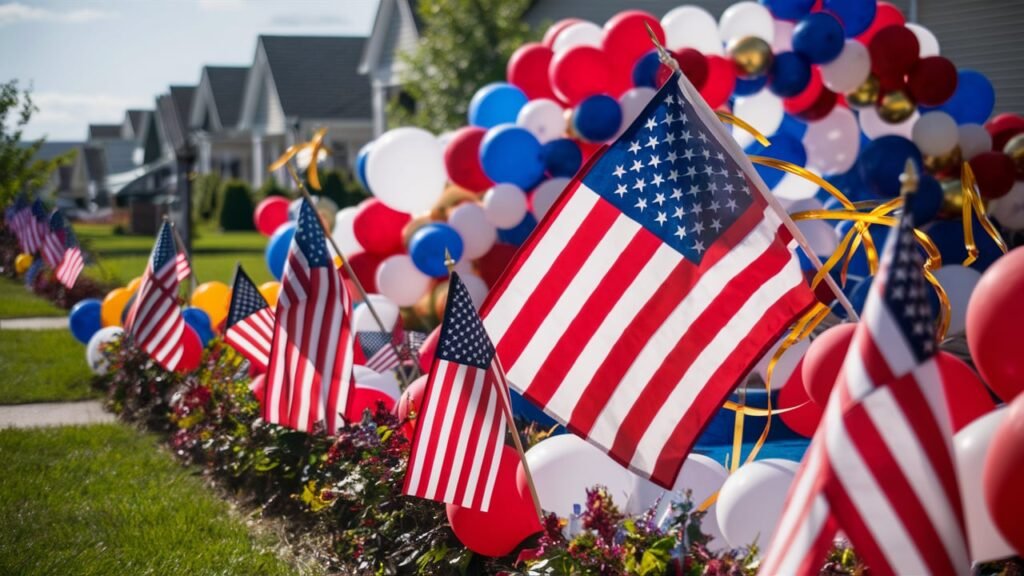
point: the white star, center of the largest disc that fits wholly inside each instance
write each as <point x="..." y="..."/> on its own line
<point x="680" y="232"/>
<point x="658" y="179"/>
<point x="673" y="175"/>
<point x="691" y="171"/>
<point x="672" y="156"/>
<point x="728" y="187"/>
<point x="698" y="227"/>
<point x="634" y="146"/>
<point x="637" y="166"/>
<point x="708" y="169"/>
<point x="655" y="161"/>
<point x="678" y="213"/>
<point x="641" y="204"/>
<point x="688" y="155"/>
<point x="670" y="99"/>
<point x="694" y="190"/>
<point x="669" y="118"/>
<point x="659" y="198"/>
<point x="697" y="209"/>
<point x="701" y="136"/>
<point x="640" y="184"/>
<point x="651" y="124"/>
<point x="684" y="118"/>
<point x="686" y="133"/>
<point x="670" y="138"/>
<point x="731" y="205"/>
<point x="698" y="246"/>
<point x="706" y="154"/>
<point x="898" y="293"/>
<point x="918" y="328"/>
<point x="716" y="224"/>
<point x="720" y="156"/>
<point x="661" y="218"/>
<point x="714" y="205"/>
<point x="677" y="193"/>
<point x="619" y="171"/>
<point x="621" y="190"/>
<point x="739" y="174"/>
<point x="712" y="186"/>
<point x="652" y="142"/>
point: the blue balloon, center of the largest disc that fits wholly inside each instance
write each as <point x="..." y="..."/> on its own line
<point x="496" y="103"/>
<point x="925" y="204"/>
<point x="789" y="74"/>
<point x="793" y="126"/>
<point x="361" y="158"/>
<point x="856" y="15"/>
<point x="645" y="71"/>
<point x="749" y="86"/>
<point x="858" y="295"/>
<point x="512" y="154"/>
<point x="597" y="118"/>
<point x="277" y="248"/>
<point x="519" y="233"/>
<point x="562" y="157"/>
<point x="948" y="236"/>
<point x="973" y="100"/>
<point x="818" y="38"/>
<point x="526" y="410"/>
<point x="199" y="320"/>
<point x="883" y="160"/>
<point x="84" y="319"/>
<point x="789" y="9"/>
<point x="859" y="262"/>
<point x="784" y="147"/>
<point x="427" y="247"/>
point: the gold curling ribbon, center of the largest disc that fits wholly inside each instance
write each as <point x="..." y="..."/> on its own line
<point x="743" y="125"/>
<point x="972" y="203"/>
<point x="315" y="145"/>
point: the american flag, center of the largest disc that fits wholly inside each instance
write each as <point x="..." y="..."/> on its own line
<point x="379" y="348"/>
<point x="250" y="323"/>
<point x="880" y="466"/>
<point x="52" y="246"/>
<point x="36" y="226"/>
<point x="181" y="260"/>
<point x="309" y="375"/>
<point x="659" y="277"/>
<point x="19" y="219"/>
<point x="460" y="430"/>
<point x="72" y="263"/>
<point x="154" y="322"/>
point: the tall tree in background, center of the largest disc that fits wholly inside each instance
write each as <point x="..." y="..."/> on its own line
<point x="19" y="169"/>
<point x="464" y="45"/>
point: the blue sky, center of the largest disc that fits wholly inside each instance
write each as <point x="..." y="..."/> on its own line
<point x="89" y="60"/>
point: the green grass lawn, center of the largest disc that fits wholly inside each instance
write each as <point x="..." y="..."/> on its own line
<point x="42" y="366"/>
<point x="16" y="301"/>
<point x="105" y="499"/>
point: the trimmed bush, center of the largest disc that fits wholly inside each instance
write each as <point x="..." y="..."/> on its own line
<point x="205" y="192"/>
<point x="341" y="187"/>
<point x="236" y="206"/>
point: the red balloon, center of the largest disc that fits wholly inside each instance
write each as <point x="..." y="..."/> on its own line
<point x="804" y="420"/>
<point x="932" y="80"/>
<point x="824" y="359"/>
<point x="555" y="29"/>
<point x="721" y="81"/>
<point x="1001" y="477"/>
<point x="510" y="519"/>
<point x="258" y="387"/>
<point x="625" y="41"/>
<point x="588" y="149"/>
<point x="807" y="98"/>
<point x="826" y="101"/>
<point x="428" y="349"/>
<point x="1004" y="127"/>
<point x="579" y="72"/>
<point x="270" y="213"/>
<point x="411" y="401"/>
<point x="966" y="396"/>
<point x="995" y="173"/>
<point x="379" y="228"/>
<point x="192" y="351"/>
<point x="995" y="314"/>
<point x="491" y="265"/>
<point x="528" y="69"/>
<point x="364" y="398"/>
<point x="462" y="160"/>
<point x="692" y="63"/>
<point x="894" y="51"/>
<point x="365" y="266"/>
<point x="885" y="15"/>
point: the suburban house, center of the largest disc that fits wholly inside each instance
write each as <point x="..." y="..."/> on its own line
<point x="213" y="120"/>
<point x="298" y="84"/>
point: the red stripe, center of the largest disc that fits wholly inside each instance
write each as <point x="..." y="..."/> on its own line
<point x="496" y="433"/>
<point x="455" y="415"/>
<point x="337" y="400"/>
<point x="479" y="412"/>
<point x="432" y="436"/>
<point x="854" y="527"/>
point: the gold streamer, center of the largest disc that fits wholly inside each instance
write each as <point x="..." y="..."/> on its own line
<point x="315" y="145"/>
<point x="972" y="203"/>
<point x="744" y="125"/>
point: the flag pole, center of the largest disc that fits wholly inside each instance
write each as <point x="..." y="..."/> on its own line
<point x="748" y="168"/>
<point x="449" y="263"/>
<point x="192" y="280"/>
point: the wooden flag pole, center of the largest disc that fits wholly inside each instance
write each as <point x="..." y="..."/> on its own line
<point x="449" y="262"/>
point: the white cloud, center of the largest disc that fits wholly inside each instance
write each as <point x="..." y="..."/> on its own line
<point x="66" y="116"/>
<point x="221" y="5"/>
<point x="16" y="12"/>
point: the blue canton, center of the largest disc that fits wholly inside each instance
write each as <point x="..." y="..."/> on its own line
<point x="56" y="221"/>
<point x="164" y="250"/>
<point x="373" y="341"/>
<point x="463" y="338"/>
<point x="38" y="210"/>
<point x="906" y="290"/>
<point x="669" y="173"/>
<point x="70" y="240"/>
<point x="245" y="298"/>
<point x="309" y="237"/>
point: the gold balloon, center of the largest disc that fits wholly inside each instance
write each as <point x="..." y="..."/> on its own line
<point x="952" y="199"/>
<point x="896" y="106"/>
<point x="751" y="56"/>
<point x="412" y="226"/>
<point x="947" y="165"/>
<point x="864" y="95"/>
<point x="570" y="132"/>
<point x="270" y="291"/>
<point x="452" y="197"/>
<point x="214" y="298"/>
<point x="22" y="263"/>
<point x="440" y="296"/>
<point x="1015" y="150"/>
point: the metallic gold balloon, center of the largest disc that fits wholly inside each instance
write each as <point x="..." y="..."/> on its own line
<point x="751" y="56"/>
<point x="946" y="166"/>
<point x="22" y="263"/>
<point x="952" y="199"/>
<point x="452" y="197"/>
<point x="1015" y="150"/>
<point x="896" y="106"/>
<point x="414" y="225"/>
<point x="864" y="95"/>
<point x="570" y="132"/>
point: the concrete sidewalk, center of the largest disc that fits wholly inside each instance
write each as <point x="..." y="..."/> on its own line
<point x="54" y="414"/>
<point x="34" y="323"/>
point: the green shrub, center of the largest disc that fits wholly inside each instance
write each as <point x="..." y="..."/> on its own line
<point x="270" y="187"/>
<point x="236" y="206"/>
<point x="205" y="192"/>
<point x="341" y="187"/>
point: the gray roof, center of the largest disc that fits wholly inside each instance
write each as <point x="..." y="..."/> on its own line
<point x="104" y="131"/>
<point x="52" y="149"/>
<point x="173" y="111"/>
<point x="317" y="76"/>
<point x="182" y="97"/>
<point x="95" y="162"/>
<point x="136" y="118"/>
<point x="227" y="83"/>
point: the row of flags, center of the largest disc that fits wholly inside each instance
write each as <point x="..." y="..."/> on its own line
<point x="46" y="234"/>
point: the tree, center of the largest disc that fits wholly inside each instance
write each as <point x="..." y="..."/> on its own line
<point x="236" y="207"/>
<point x="20" y="170"/>
<point x="465" y="45"/>
<point x="340" y="187"/>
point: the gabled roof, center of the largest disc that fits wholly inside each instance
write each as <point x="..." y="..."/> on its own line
<point x="51" y="149"/>
<point x="173" y="111"/>
<point x="95" y="162"/>
<point x="104" y="132"/>
<point x="397" y="26"/>
<point x="219" y="97"/>
<point x="134" y="121"/>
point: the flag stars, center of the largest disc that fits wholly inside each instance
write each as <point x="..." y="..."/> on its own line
<point x="677" y="193"/>
<point x="728" y="188"/>
<point x="640" y="184"/>
<point x="731" y="205"/>
<point x="659" y="198"/>
<point x="657" y="180"/>
<point x="697" y="209"/>
<point x="634" y="146"/>
<point x="637" y="166"/>
<point x="655" y="161"/>
<point x="714" y="206"/>
<point x="620" y="190"/>
<point x="694" y="190"/>
<point x="669" y="118"/>
<point x="716" y="225"/>
<point x="686" y="133"/>
<point x="619" y="171"/>
<point x="720" y="157"/>
<point x="672" y="156"/>
<point x="680" y="232"/>
<point x="651" y="124"/>
<point x="688" y="155"/>
<point x="702" y="137"/>
<point x="691" y="171"/>
<point x="678" y="214"/>
<point x="673" y="175"/>
<point x="698" y="227"/>
<point x="641" y="203"/>
<point x="706" y="154"/>
<point x="652" y="142"/>
<point x="698" y="247"/>
<point x="661" y="218"/>
<point x="670" y="138"/>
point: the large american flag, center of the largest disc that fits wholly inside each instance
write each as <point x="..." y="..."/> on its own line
<point x="154" y="322"/>
<point x="880" y="467"/>
<point x="52" y="245"/>
<point x="659" y="277"/>
<point x="309" y="375"/>
<point x="72" y="263"/>
<point x="250" y="324"/>
<point x="460" y="430"/>
<point x="36" y="226"/>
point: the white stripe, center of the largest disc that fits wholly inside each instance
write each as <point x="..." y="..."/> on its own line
<point x="275" y="380"/>
<point x="236" y="337"/>
<point x="930" y="378"/>
<point x="549" y="246"/>
<point x="465" y="430"/>
<point x="703" y="367"/>
<point x="444" y="438"/>
<point x="484" y="444"/>
<point x="331" y="351"/>
<point x="175" y="328"/>
<point x="495" y="461"/>
<point x="889" y="339"/>
<point x="154" y="321"/>
<point x="799" y="525"/>
<point x="420" y="458"/>
<point x="310" y="370"/>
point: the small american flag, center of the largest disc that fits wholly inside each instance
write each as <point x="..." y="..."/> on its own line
<point x="379" y="348"/>
<point x="655" y="282"/>
<point x="20" y="217"/>
<point x="181" y="266"/>
<point x="37" y="225"/>
<point x="309" y="375"/>
<point x="880" y="466"/>
<point x="250" y="323"/>
<point x="72" y="263"/>
<point x="52" y="247"/>
<point x="154" y="322"/>
<point x="460" y="430"/>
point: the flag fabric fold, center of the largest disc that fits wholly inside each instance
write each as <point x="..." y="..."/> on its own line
<point x="250" y="324"/>
<point x="36" y="226"/>
<point x="72" y="263"/>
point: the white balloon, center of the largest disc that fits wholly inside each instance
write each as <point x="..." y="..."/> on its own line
<point x="929" y="44"/>
<point x="849" y="70"/>
<point x="476" y="287"/>
<point x="344" y="235"/>
<point x="478" y="235"/>
<point x="544" y="196"/>
<point x="793" y="188"/>
<point x="387" y="310"/>
<point x="785" y="366"/>
<point x="874" y="127"/>
<point x="823" y="238"/>
<point x="959" y="283"/>
<point x="763" y="110"/>
<point x="401" y="281"/>
<point x="971" y="444"/>
<point x="578" y="34"/>
<point x="633" y="102"/>
<point x="544" y="118"/>
<point x="751" y="500"/>
<point x="974" y="140"/>
<point x="936" y="133"/>
<point x="405" y="169"/>
<point x="505" y="205"/>
<point x="565" y="466"/>
<point x="444" y="138"/>
<point x="386" y="382"/>
<point x="783" y="41"/>
<point x="692" y="27"/>
<point x="746" y="19"/>
<point x="1009" y="209"/>
<point x="833" y="142"/>
<point x="94" y="356"/>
